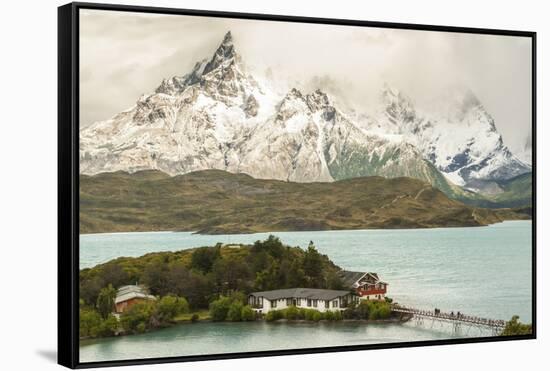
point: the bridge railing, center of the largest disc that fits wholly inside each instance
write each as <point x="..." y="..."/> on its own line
<point x="460" y="317"/>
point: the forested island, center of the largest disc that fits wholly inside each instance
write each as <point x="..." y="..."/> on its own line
<point x="210" y="283"/>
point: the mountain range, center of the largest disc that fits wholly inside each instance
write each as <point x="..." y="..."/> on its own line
<point x="219" y="116"/>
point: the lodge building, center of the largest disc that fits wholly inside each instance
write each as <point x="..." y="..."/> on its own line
<point x="361" y="286"/>
<point x="129" y="295"/>
<point x="367" y="285"/>
<point x="319" y="299"/>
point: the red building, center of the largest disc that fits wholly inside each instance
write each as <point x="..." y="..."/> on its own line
<point x="367" y="285"/>
<point x="129" y="295"/>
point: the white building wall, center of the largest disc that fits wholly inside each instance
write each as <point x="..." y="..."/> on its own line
<point x="334" y="305"/>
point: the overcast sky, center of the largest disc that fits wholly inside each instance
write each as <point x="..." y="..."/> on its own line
<point x="124" y="55"/>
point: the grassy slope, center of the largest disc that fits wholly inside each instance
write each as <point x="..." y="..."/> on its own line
<point x="516" y="193"/>
<point x="214" y="201"/>
<point x="518" y="190"/>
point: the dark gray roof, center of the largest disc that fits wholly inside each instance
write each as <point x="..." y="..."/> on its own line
<point x="320" y="294"/>
<point x="349" y="278"/>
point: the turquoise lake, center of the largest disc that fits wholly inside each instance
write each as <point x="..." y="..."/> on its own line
<point x="482" y="271"/>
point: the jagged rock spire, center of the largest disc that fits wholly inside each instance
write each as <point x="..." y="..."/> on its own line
<point x="228" y="38"/>
<point x="223" y="56"/>
<point x="225" y="51"/>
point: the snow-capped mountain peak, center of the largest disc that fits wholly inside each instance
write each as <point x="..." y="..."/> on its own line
<point x="224" y="56"/>
<point x="459" y="137"/>
<point x="218" y="116"/>
<point x="223" y="76"/>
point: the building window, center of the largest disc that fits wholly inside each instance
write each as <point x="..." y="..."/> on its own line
<point x="288" y="302"/>
<point x="315" y="303"/>
<point x="273" y="303"/>
<point x="309" y="302"/>
<point x="296" y="302"/>
<point x="258" y="302"/>
<point x="335" y="304"/>
<point x="344" y="302"/>
<point x="327" y="303"/>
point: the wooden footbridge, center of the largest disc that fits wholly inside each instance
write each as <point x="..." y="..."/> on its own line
<point x="456" y="319"/>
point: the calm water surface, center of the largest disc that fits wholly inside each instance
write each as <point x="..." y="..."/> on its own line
<point x="484" y="271"/>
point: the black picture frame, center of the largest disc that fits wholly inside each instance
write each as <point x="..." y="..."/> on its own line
<point x="68" y="180"/>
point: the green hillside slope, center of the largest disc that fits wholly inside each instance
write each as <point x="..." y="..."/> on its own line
<point x="214" y="201"/>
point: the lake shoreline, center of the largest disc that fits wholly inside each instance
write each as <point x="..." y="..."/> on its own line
<point x="248" y="232"/>
<point x="395" y="319"/>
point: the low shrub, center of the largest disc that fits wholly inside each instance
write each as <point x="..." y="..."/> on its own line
<point x="231" y="308"/>
<point x="138" y="317"/>
<point x="247" y="314"/>
<point x="309" y="313"/>
<point x="141" y="327"/>
<point x="333" y="315"/>
<point x="274" y="315"/>
<point x="368" y="309"/>
<point x="329" y="315"/>
<point x="109" y="326"/>
<point x="378" y="310"/>
<point x="168" y="307"/>
<point x="317" y="316"/>
<point x="363" y="310"/>
<point x="90" y="322"/>
<point x="384" y="311"/>
<point x="292" y="313"/>
<point x="234" y="312"/>
<point x="219" y="308"/>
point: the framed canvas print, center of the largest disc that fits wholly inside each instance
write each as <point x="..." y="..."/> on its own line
<point x="239" y="185"/>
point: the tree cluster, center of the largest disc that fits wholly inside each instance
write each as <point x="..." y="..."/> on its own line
<point x="515" y="327"/>
<point x="99" y="321"/>
<point x="93" y="325"/>
<point x="149" y="315"/>
<point x="231" y="308"/>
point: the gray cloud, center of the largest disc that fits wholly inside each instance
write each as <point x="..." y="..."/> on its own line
<point x="124" y="55"/>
